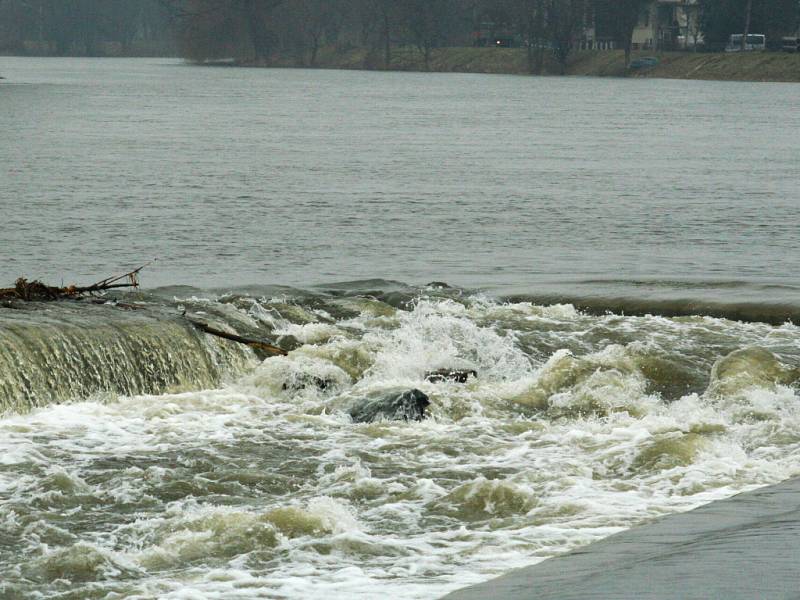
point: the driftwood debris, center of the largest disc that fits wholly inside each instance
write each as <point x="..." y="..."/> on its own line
<point x="36" y="291"/>
<point x="254" y="344"/>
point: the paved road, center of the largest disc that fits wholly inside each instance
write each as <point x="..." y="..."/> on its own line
<point x="743" y="548"/>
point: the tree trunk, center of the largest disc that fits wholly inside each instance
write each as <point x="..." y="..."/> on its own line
<point x="626" y="16"/>
<point x="314" y="50"/>
<point x="259" y="36"/>
<point x="747" y="15"/>
<point x="531" y="58"/>
<point x="538" y="28"/>
<point x="531" y="43"/>
<point x="387" y="42"/>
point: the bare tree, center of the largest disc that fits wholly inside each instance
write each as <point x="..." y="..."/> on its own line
<point x="427" y="23"/>
<point x="748" y="14"/>
<point x="318" y="18"/>
<point x="208" y="26"/>
<point x="529" y="17"/>
<point x="385" y="11"/>
<point x="305" y="25"/>
<point x="121" y="20"/>
<point x="255" y="13"/>
<point x="621" y="17"/>
<point x="564" y="20"/>
<point x="694" y="21"/>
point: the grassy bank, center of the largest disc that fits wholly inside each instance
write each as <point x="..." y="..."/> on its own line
<point x="756" y="66"/>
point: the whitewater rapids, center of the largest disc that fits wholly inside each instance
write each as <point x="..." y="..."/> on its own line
<point x="227" y="479"/>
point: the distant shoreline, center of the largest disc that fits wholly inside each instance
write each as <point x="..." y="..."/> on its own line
<point x="754" y="66"/>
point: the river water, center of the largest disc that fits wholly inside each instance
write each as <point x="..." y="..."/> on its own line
<point x="140" y="458"/>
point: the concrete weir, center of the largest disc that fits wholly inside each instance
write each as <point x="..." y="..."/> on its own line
<point x="741" y="548"/>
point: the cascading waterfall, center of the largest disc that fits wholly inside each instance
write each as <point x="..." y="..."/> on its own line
<point x="56" y="353"/>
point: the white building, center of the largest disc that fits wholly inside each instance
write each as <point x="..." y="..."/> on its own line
<point x="663" y="25"/>
<point x="668" y="25"/>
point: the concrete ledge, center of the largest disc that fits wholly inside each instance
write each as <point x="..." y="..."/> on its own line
<point x="746" y="547"/>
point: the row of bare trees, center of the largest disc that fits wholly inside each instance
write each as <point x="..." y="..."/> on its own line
<point x="257" y="29"/>
<point x="82" y="27"/>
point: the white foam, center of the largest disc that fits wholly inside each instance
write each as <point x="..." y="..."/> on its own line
<point x="405" y="510"/>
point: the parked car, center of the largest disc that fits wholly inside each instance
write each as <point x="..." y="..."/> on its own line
<point x="791" y="44"/>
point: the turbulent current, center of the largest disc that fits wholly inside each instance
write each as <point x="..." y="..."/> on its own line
<point x="140" y="458"/>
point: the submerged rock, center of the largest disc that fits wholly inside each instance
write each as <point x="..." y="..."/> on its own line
<point x="304" y="381"/>
<point x="407" y="405"/>
<point x="458" y="376"/>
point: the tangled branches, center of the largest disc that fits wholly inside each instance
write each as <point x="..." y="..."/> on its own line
<point x="36" y="291"/>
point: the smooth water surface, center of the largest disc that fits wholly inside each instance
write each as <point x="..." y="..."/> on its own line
<point x="250" y="176"/>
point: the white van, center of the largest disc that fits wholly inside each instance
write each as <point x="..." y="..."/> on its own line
<point x="755" y="41"/>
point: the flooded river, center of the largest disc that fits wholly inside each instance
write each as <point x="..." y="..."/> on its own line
<point x="621" y="259"/>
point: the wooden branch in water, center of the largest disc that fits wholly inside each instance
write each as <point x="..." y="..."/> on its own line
<point x="254" y="344"/>
<point x="36" y="291"/>
<point x="111" y="282"/>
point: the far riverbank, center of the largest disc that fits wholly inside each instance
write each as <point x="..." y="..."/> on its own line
<point x="756" y="66"/>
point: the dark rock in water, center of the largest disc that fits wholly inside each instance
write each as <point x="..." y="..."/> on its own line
<point x="408" y="405"/>
<point x="304" y="381"/>
<point x="458" y="376"/>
